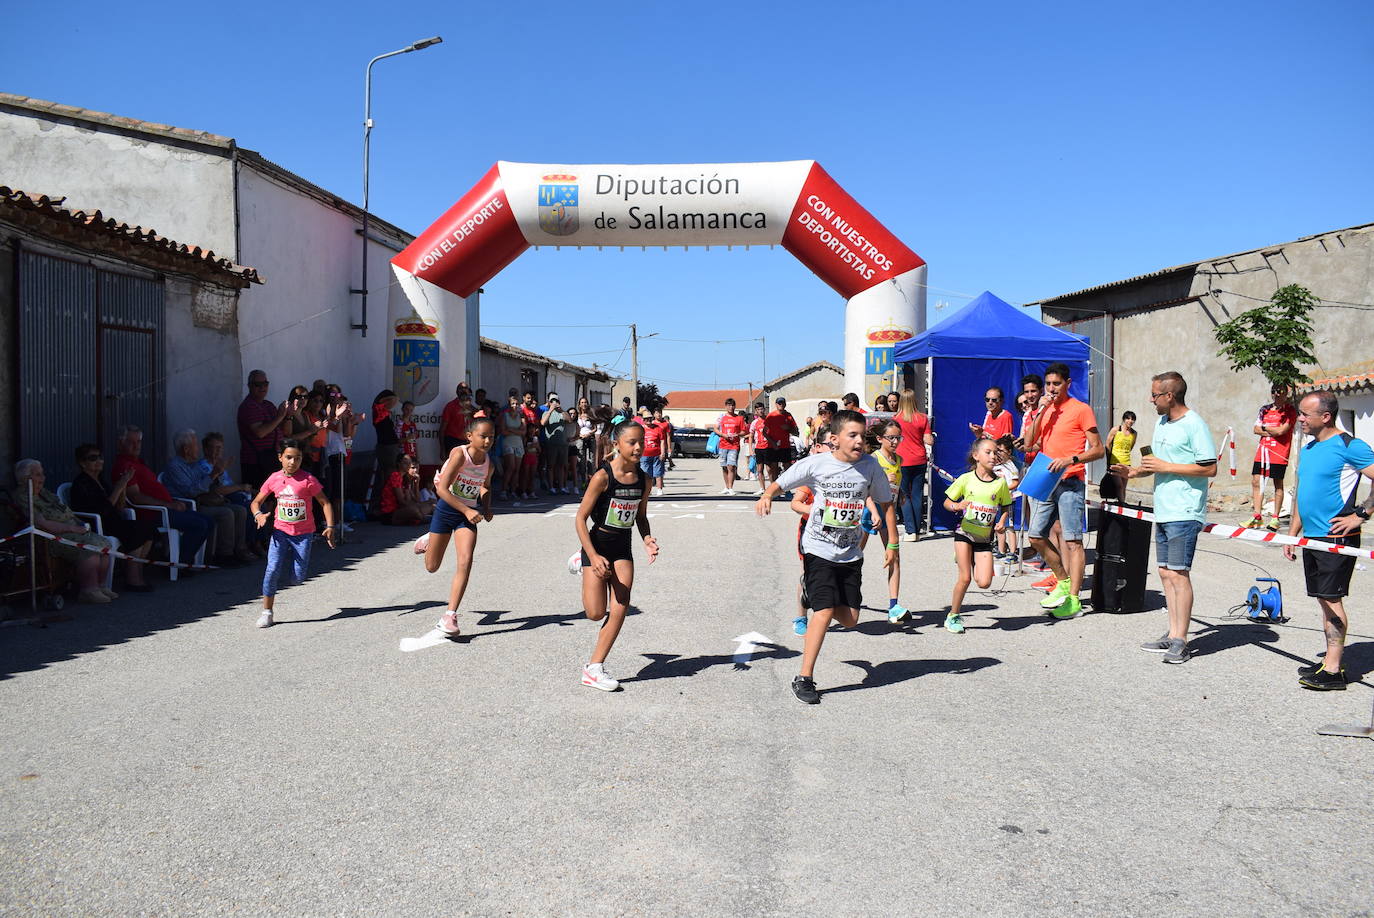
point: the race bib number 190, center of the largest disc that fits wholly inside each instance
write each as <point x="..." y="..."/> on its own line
<point x="980" y="515"/>
<point x="841" y="514"/>
<point x="621" y="513"/>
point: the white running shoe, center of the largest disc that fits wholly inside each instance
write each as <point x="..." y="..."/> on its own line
<point x="594" y="674"/>
<point x="657" y="492"/>
<point x="730" y="492"/>
<point x="421" y="544"/>
<point x="448" y="624"/>
<point x="265" y="620"/>
<point x="726" y="491"/>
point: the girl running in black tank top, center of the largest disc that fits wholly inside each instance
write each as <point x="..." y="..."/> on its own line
<point x="616" y="499"/>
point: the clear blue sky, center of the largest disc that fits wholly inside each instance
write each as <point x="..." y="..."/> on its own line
<point x="1028" y="149"/>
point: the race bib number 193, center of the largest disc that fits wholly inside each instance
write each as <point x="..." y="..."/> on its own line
<point x="841" y="514"/>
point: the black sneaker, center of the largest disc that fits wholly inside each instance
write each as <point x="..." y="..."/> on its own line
<point x="804" y="687"/>
<point x="1323" y="681"/>
<point x="1308" y="669"/>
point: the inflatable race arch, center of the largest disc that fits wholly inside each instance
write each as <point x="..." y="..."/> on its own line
<point x="518" y="205"/>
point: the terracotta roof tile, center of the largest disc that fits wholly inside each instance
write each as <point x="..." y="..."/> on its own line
<point x="689" y="399"/>
<point x="112" y="236"/>
<point x="134" y="124"/>
<point x="1354" y="378"/>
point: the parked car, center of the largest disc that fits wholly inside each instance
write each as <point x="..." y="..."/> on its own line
<point x="690" y="441"/>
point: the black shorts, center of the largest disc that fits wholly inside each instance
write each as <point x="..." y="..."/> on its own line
<point x="977" y="546"/>
<point x="611" y="546"/>
<point x="830" y="584"/>
<point x="1328" y="574"/>
<point x="1276" y="471"/>
<point x="775" y="456"/>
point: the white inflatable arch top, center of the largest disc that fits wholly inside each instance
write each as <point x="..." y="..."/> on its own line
<point x="795" y="204"/>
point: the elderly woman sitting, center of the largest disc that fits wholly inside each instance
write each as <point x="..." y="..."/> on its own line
<point x="90" y="494"/>
<point x="49" y="515"/>
<point x="185" y="478"/>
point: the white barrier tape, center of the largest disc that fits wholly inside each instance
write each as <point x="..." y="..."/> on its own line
<point x="102" y="551"/>
<point x="1228" y="443"/>
<point x="1223" y="531"/>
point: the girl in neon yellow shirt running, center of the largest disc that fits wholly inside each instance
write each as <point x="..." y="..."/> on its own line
<point x="982" y="497"/>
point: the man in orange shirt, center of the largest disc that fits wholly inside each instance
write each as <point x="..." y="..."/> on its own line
<point x="1065" y="430"/>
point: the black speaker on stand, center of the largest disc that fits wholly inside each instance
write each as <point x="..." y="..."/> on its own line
<point x="1123" y="556"/>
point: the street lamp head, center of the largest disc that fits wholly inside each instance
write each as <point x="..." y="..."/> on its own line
<point x="425" y="43"/>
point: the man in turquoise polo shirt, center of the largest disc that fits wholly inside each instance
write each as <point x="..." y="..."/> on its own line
<point x="1183" y="457"/>
<point x="1333" y="465"/>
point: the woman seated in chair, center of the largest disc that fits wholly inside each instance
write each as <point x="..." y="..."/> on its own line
<point x="89" y="494"/>
<point x="50" y="515"/>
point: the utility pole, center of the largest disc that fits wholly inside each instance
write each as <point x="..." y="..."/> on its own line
<point x="634" y="367"/>
<point x="763" y="351"/>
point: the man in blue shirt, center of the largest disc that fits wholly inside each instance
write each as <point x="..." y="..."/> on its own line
<point x="1329" y="475"/>
<point x="1183" y="456"/>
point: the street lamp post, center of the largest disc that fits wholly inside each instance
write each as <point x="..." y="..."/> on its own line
<point x="367" y="143"/>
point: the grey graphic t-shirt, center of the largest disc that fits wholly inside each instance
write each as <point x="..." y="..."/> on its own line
<point x="832" y="532"/>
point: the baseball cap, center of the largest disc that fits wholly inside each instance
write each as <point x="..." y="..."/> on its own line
<point x="779" y="401"/>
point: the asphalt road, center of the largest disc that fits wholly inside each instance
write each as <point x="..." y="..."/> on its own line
<point x="162" y="756"/>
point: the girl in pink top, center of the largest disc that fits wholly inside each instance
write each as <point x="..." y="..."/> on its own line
<point x="294" y="529"/>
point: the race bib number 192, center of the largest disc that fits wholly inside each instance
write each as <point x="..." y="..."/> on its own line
<point x="621" y="513"/>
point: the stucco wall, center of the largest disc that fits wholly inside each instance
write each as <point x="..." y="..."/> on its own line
<point x="204" y="374"/>
<point x="184" y="193"/>
<point x="296" y="326"/>
<point x="822" y="382"/>
<point x="1334" y="266"/>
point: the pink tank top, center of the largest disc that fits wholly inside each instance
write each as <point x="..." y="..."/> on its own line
<point x="467" y="484"/>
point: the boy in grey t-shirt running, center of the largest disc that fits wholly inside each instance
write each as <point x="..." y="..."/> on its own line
<point x="832" y="547"/>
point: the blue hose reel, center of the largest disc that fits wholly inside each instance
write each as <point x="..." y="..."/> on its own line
<point x="1268" y="605"/>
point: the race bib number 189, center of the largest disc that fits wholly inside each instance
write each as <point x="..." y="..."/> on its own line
<point x="291" y="509"/>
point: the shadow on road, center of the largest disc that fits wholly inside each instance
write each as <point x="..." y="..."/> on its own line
<point x="200" y="595"/>
<point x="892" y="672"/>
<point x="675" y="666"/>
<point x="360" y="611"/>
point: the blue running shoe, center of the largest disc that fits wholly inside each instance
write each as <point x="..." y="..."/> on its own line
<point x="897" y="614"/>
<point x="799" y="625"/>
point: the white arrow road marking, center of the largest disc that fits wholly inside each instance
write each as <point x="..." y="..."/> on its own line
<point x="433" y="638"/>
<point x="748" y="643"/>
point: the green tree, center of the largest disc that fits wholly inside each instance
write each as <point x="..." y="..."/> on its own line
<point x="648" y="395"/>
<point x="1275" y="339"/>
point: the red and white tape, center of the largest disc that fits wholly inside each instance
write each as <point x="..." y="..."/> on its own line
<point x="1228" y="444"/>
<point x="1226" y="531"/>
<point x="96" y="549"/>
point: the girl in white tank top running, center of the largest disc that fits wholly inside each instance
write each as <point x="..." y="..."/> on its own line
<point x="463" y="486"/>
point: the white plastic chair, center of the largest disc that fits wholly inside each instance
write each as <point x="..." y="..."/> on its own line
<point x="64" y="491"/>
<point x="171" y="532"/>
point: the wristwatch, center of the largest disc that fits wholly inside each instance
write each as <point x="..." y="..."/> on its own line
<point x="1075" y="460"/>
<point x="1362" y="513"/>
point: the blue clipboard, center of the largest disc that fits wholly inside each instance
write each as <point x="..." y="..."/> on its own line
<point x="1039" y="482"/>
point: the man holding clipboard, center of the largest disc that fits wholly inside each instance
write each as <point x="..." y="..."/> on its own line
<point x="1065" y="430"/>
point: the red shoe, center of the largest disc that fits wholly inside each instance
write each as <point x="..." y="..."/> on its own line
<point x="1047" y="584"/>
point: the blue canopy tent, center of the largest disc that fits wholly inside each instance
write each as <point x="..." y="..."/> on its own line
<point x="987" y="343"/>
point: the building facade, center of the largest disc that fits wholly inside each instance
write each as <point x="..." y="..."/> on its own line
<point x="102" y="324"/>
<point x="1166" y="320"/>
